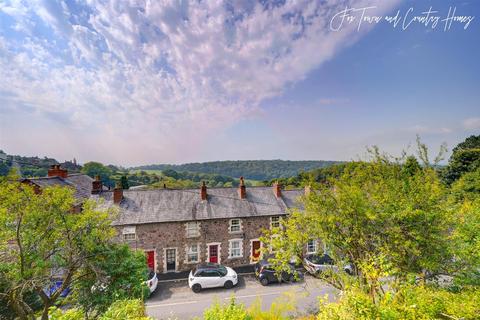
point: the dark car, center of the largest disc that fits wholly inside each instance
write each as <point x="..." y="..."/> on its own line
<point x="266" y="274"/>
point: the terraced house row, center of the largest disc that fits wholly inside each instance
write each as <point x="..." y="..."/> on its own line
<point x="180" y="228"/>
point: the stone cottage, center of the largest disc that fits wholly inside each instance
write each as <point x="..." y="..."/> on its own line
<point x="180" y="228"/>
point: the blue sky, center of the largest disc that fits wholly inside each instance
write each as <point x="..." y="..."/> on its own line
<point x="142" y="82"/>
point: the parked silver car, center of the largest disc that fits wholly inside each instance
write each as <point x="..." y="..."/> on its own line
<point x="316" y="263"/>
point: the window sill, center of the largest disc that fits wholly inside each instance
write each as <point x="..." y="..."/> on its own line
<point x="235" y="232"/>
<point x="232" y="258"/>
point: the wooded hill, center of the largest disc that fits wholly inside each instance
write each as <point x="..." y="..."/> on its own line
<point x="250" y="169"/>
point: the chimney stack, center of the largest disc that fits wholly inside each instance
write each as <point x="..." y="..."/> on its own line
<point x="242" y="190"/>
<point x="117" y="194"/>
<point x="56" y="171"/>
<point x="97" y="185"/>
<point x="277" y="190"/>
<point x="308" y="189"/>
<point x="203" y="191"/>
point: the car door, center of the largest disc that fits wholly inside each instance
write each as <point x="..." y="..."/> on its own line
<point x="210" y="279"/>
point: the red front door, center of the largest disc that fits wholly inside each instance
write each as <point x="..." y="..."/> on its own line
<point x="150" y="259"/>
<point x="213" y="253"/>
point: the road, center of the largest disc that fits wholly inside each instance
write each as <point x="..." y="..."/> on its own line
<point x="174" y="300"/>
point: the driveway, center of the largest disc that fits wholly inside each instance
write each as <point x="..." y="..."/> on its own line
<point x="175" y="300"/>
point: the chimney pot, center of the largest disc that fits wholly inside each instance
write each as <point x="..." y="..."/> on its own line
<point x="203" y="191"/>
<point x="242" y="190"/>
<point x="277" y="190"/>
<point x="56" y="171"/>
<point x="97" y="185"/>
<point x="117" y="194"/>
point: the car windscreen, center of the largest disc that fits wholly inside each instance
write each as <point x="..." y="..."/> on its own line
<point x="316" y="259"/>
<point x="223" y="271"/>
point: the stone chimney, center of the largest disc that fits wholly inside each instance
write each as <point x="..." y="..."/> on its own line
<point x="97" y="185"/>
<point x="242" y="190"/>
<point x="308" y="189"/>
<point x="56" y="171"/>
<point x="203" y="191"/>
<point x="277" y="190"/>
<point x="117" y="193"/>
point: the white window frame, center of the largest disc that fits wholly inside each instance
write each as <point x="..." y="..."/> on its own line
<point x="230" y="225"/>
<point x="315" y="246"/>
<point x="230" y="248"/>
<point x="127" y="233"/>
<point x="272" y="222"/>
<point x="189" y="253"/>
<point x="192" y="232"/>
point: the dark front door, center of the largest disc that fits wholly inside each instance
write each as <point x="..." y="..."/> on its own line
<point x="150" y="260"/>
<point x="213" y="253"/>
<point x="171" y="259"/>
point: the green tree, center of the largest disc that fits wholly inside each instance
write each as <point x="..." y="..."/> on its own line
<point x="43" y="239"/>
<point x="97" y="169"/>
<point x="116" y="273"/>
<point x="465" y="158"/>
<point x="385" y="222"/>
<point x="124" y="183"/>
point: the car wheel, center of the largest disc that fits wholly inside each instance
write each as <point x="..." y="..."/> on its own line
<point x="228" y="284"/>
<point x="348" y="271"/>
<point x="291" y="278"/>
<point x="196" y="288"/>
<point x="264" y="282"/>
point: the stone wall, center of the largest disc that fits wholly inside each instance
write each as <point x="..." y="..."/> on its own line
<point x="173" y="235"/>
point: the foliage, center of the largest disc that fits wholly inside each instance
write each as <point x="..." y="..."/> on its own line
<point x="465" y="239"/>
<point x="465" y="158"/>
<point x="124" y="182"/>
<point x="312" y="177"/>
<point x="31" y="166"/>
<point x="251" y="169"/>
<point x="97" y="169"/>
<point x="120" y="310"/>
<point x="381" y="216"/>
<point x="44" y="239"/>
<point x="279" y="310"/>
<point x="408" y="303"/>
<point x="230" y="311"/>
<point x="116" y="273"/>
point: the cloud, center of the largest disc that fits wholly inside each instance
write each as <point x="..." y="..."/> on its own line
<point x="164" y="73"/>
<point x="472" y="124"/>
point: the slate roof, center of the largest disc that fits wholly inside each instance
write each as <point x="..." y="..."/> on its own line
<point x="80" y="182"/>
<point x="167" y="205"/>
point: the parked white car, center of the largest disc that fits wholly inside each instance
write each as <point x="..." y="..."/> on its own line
<point x="211" y="275"/>
<point x="152" y="281"/>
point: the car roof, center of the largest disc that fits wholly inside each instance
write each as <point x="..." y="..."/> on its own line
<point x="208" y="265"/>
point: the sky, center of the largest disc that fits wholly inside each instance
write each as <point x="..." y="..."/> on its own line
<point x="139" y="82"/>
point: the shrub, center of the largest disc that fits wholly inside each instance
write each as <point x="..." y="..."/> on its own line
<point x="409" y="303"/>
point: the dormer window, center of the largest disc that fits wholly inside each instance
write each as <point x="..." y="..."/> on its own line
<point x="129" y="233"/>
<point x="193" y="229"/>
<point x="235" y="226"/>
